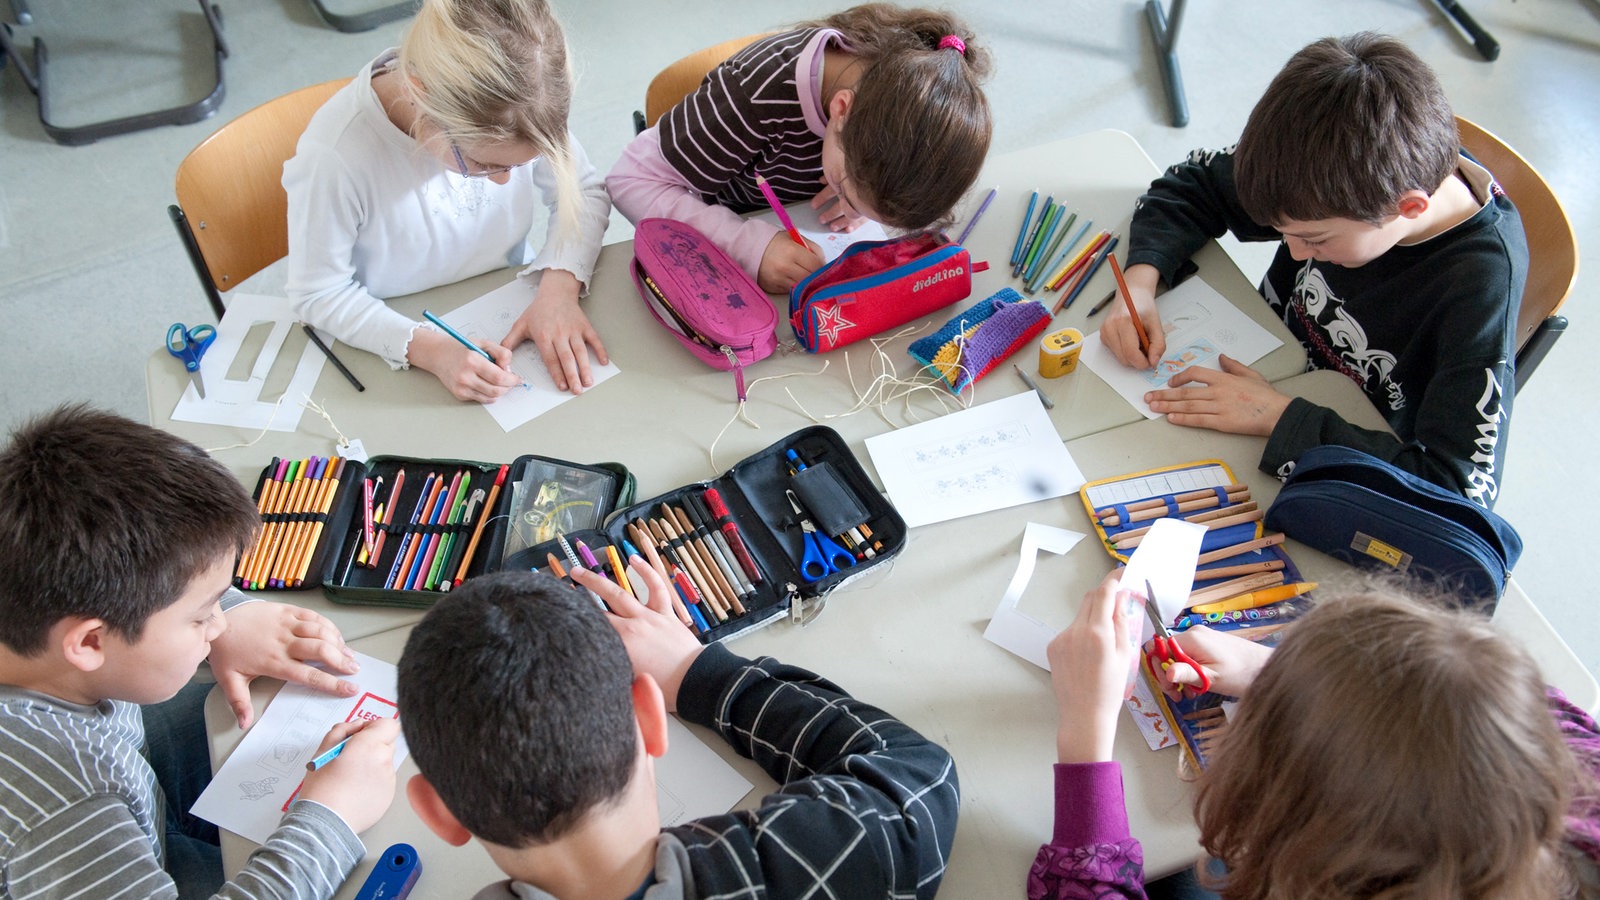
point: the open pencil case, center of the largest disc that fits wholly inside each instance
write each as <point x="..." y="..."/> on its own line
<point x="434" y="523"/>
<point x="782" y="567"/>
<point x="1123" y="506"/>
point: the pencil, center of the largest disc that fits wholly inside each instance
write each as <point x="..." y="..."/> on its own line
<point x="477" y="533"/>
<point x="977" y="215"/>
<point x="1055" y="281"/>
<point x="555" y="565"/>
<point x="1256" y="598"/>
<point x="1233" y="587"/>
<point x="783" y="214"/>
<point x="337" y="363"/>
<point x="1038" y="270"/>
<point x="1022" y="233"/>
<point x="428" y="314"/>
<point x="1239" y="549"/>
<point x="371" y="561"/>
<point x="1104" y="302"/>
<point x="1271" y="565"/>
<point x="1199" y="518"/>
<point x="1048" y="274"/>
<point x="1141" y="515"/>
<point x="1106" y="512"/>
<point x="1048" y="403"/>
<point x="1088" y="273"/>
<point x="1046" y="217"/>
<point x="1138" y="326"/>
<point x="1252" y="516"/>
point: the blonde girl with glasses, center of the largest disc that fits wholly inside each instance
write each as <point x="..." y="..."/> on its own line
<point x="431" y="166"/>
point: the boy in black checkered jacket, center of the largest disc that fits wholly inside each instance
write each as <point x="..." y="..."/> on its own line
<point x="535" y="734"/>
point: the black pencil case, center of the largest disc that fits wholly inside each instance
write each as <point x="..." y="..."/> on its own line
<point x="813" y="468"/>
<point x="427" y="523"/>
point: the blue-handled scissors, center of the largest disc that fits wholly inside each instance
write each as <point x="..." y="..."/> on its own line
<point x="821" y="556"/>
<point x="189" y="345"/>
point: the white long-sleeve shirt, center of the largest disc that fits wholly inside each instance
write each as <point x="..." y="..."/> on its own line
<point x="373" y="214"/>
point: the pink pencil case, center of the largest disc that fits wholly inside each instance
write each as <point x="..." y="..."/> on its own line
<point x="711" y="305"/>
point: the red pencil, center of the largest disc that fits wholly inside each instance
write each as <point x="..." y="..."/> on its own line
<point x="1138" y="326"/>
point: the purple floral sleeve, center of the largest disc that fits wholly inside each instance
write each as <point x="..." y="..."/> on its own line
<point x="1091" y="854"/>
<point x="1583" y="736"/>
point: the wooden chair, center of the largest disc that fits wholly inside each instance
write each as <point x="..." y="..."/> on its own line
<point x="676" y="81"/>
<point x="1552" y="245"/>
<point x="232" y="211"/>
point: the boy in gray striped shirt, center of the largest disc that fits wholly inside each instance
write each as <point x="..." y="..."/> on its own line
<point x="119" y="542"/>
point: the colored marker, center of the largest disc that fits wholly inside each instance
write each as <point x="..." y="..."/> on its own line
<point x="977" y="215"/>
<point x="327" y="756"/>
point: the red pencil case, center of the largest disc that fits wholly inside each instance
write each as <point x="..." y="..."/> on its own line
<point x="877" y="285"/>
<point x="710" y="305"/>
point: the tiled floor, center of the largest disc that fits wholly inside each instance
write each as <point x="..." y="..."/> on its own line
<point x="91" y="272"/>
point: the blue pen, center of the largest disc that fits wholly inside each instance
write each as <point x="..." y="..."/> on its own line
<point x="327" y="756"/>
<point x="1016" y="252"/>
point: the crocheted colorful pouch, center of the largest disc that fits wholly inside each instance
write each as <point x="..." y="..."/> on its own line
<point x="979" y="338"/>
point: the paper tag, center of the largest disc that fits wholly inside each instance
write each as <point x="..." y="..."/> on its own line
<point x="354" y="451"/>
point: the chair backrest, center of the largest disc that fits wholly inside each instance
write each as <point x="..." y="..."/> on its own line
<point x="230" y="188"/>
<point x="1552" y="245"/>
<point x="676" y="81"/>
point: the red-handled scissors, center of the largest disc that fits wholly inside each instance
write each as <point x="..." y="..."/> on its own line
<point x="1164" y="647"/>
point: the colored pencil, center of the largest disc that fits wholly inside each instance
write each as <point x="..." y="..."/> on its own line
<point x="1022" y="233"/>
<point x="1088" y="273"/>
<point x="982" y="207"/>
<point x="477" y="533"/>
<point x="1138" y="326"/>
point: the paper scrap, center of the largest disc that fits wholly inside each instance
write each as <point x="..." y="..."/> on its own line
<point x="1013" y="629"/>
<point x="1200" y="325"/>
<point x="1000" y="454"/>
<point x="249" y="794"/>
<point x="489" y="318"/>
<point x="692" y="781"/>
<point x="238" y="402"/>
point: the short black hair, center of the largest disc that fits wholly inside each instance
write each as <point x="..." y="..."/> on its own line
<point x="103" y="517"/>
<point x="516" y="702"/>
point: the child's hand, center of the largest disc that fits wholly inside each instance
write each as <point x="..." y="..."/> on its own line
<point x="1090" y="663"/>
<point x="1118" y="333"/>
<point x="277" y="640"/>
<point x="785" y="263"/>
<point x="1237" y="400"/>
<point x="658" y="643"/>
<point x="840" y="216"/>
<point x="558" y="327"/>
<point x="465" y="374"/>
<point x="1231" y="661"/>
<point x="359" y="783"/>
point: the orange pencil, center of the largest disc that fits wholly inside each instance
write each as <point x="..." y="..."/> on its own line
<point x="1138" y="326"/>
<point x="477" y="533"/>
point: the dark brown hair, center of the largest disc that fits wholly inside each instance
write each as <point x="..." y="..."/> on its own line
<point x="518" y="706"/>
<point x="1342" y="131"/>
<point x="106" y="518"/>
<point x="1391" y="749"/>
<point x="919" y="126"/>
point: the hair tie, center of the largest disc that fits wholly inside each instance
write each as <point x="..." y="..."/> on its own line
<point x="951" y="41"/>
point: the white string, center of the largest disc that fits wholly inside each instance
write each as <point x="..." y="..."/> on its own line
<point x="317" y="408"/>
<point x="253" y="441"/>
<point x="711" y="452"/>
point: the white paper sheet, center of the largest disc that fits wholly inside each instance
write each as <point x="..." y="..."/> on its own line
<point x="249" y="794"/>
<point x="1013" y="629"/>
<point x="489" y="318"/>
<point x="1000" y="454"/>
<point x="1200" y="325"/>
<point x="692" y="781"/>
<point x="1166" y="558"/>
<point x="239" y="403"/>
<point x="808" y="222"/>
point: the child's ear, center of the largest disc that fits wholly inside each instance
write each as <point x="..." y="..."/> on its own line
<point x="650" y="709"/>
<point x="1412" y="204"/>
<point x="433" y="813"/>
<point x="839" y="104"/>
<point x="82" y="642"/>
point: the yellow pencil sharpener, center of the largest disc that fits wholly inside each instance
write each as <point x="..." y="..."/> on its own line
<point x="1058" y="352"/>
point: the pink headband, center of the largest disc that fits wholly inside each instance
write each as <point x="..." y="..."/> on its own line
<point x="951" y="41"/>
